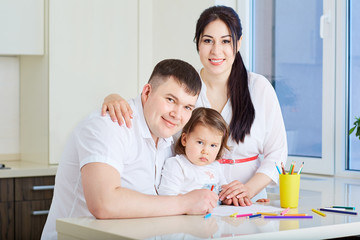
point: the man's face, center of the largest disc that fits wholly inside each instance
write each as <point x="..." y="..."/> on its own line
<point x="167" y="108"/>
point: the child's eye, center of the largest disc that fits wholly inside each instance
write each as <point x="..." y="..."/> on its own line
<point x="200" y="142"/>
<point x="214" y="145"/>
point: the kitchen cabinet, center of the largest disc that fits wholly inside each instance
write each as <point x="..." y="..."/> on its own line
<point x="24" y="205"/>
<point x="22" y="27"/>
<point x="91" y="50"/>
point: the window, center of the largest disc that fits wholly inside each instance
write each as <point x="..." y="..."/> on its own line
<point x="354" y="81"/>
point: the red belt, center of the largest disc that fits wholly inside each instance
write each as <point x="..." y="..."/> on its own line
<point x="233" y="161"/>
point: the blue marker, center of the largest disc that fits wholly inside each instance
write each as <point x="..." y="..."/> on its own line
<point x="207" y="215"/>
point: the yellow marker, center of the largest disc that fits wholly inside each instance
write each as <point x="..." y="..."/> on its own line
<point x="233" y="215"/>
<point x="318" y="212"/>
<point x="267" y="213"/>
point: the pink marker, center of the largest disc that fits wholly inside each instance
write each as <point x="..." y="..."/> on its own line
<point x="284" y="212"/>
<point x="244" y="215"/>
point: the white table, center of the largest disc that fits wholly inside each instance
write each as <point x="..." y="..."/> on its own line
<point x="315" y="192"/>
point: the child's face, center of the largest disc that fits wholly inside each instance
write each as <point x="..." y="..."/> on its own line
<point x="202" y="145"/>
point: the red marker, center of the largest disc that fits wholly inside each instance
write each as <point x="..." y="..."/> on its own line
<point x="212" y="187"/>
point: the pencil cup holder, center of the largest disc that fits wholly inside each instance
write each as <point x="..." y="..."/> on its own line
<point x="289" y="190"/>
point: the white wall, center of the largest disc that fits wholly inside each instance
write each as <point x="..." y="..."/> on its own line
<point x="9" y="107"/>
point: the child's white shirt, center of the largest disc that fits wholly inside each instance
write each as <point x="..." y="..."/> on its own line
<point x="180" y="176"/>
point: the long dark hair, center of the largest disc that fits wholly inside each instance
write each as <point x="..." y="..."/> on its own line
<point x="243" y="112"/>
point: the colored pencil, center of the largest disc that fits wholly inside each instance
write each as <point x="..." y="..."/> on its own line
<point x="207" y="215"/>
<point x="233" y="215"/>
<point x="253" y="216"/>
<point x="338" y="211"/>
<point x="293" y="167"/>
<point x="212" y="187"/>
<point x="277" y="168"/>
<point x="318" y="212"/>
<point x="244" y="215"/>
<point x="285" y="217"/>
<point x="348" y="208"/>
<point x="267" y="214"/>
<point x="301" y="167"/>
<point x="295" y="214"/>
<point x="283" y="168"/>
<point x="285" y="211"/>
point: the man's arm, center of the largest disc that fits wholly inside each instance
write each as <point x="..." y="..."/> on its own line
<point x="106" y="198"/>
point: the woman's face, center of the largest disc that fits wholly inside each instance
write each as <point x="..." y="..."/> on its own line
<point x="216" y="48"/>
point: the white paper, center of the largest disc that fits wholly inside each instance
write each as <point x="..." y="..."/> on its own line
<point x="225" y="210"/>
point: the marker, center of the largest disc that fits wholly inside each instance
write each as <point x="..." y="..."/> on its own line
<point x="233" y="215"/>
<point x="267" y="214"/>
<point x="277" y="168"/>
<point x="244" y="215"/>
<point x="254" y="216"/>
<point x="338" y="211"/>
<point x="301" y="167"/>
<point x="212" y="187"/>
<point x="285" y="211"/>
<point x="283" y="168"/>
<point x="348" y="208"/>
<point x="318" y="212"/>
<point x="285" y="217"/>
<point x="207" y="215"/>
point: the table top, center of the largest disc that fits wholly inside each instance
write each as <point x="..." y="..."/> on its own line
<point x="315" y="192"/>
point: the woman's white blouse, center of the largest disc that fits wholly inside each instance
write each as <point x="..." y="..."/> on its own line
<point x="267" y="135"/>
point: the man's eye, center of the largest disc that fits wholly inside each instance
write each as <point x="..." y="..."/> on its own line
<point x="171" y="100"/>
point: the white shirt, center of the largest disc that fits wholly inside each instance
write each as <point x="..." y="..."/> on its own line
<point x="267" y="135"/>
<point x="131" y="152"/>
<point x="180" y="176"/>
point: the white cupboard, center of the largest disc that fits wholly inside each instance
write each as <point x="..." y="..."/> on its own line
<point x="21" y="27"/>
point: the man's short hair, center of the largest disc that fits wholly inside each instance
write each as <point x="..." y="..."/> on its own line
<point x="181" y="71"/>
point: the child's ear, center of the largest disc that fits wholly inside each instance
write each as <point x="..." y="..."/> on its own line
<point x="183" y="139"/>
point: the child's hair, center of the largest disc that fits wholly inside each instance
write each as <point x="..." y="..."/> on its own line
<point x="208" y="118"/>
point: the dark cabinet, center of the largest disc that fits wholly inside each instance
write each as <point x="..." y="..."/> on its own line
<point x="24" y="208"/>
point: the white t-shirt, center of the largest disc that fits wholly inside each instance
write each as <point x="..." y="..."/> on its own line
<point x="267" y="135"/>
<point x="180" y="176"/>
<point x="131" y="152"/>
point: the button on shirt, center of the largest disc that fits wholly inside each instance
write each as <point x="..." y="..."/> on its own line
<point x="132" y="152"/>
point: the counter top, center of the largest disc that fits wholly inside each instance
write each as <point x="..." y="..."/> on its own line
<point x="315" y="192"/>
<point x="26" y="169"/>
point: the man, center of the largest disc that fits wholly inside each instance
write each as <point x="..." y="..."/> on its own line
<point x="110" y="171"/>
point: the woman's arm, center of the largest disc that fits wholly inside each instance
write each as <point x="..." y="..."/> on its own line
<point x="118" y="108"/>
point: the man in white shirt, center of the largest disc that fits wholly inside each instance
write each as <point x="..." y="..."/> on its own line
<point x="109" y="171"/>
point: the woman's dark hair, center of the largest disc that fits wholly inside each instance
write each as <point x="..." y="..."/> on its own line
<point x="243" y="112"/>
<point x="206" y="117"/>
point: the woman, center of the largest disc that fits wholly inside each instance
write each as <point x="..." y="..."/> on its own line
<point x="246" y="101"/>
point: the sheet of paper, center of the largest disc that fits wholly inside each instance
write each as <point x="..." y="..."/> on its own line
<point x="225" y="210"/>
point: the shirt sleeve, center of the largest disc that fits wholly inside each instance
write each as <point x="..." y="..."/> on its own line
<point x="172" y="177"/>
<point x="97" y="141"/>
<point x="275" y="143"/>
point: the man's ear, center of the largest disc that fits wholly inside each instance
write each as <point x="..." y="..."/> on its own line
<point x="147" y="89"/>
<point x="183" y="139"/>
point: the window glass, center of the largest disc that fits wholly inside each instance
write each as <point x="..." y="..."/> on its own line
<point x="289" y="52"/>
<point x="354" y="82"/>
